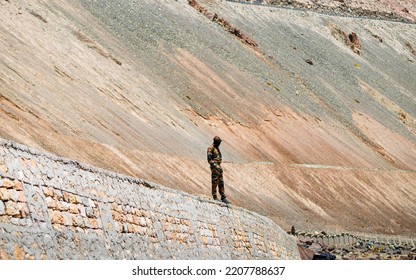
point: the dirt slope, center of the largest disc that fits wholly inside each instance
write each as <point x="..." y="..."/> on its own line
<point x="318" y="124"/>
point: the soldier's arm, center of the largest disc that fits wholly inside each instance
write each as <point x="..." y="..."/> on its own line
<point x="209" y="155"/>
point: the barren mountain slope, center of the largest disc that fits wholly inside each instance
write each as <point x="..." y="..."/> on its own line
<point x="319" y="129"/>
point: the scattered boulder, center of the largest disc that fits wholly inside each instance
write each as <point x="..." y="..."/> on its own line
<point x="378" y="38"/>
<point x="411" y="49"/>
<point x="350" y="40"/>
<point x="309" y="61"/>
<point x="362" y="249"/>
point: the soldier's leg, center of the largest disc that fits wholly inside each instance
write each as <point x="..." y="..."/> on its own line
<point x="214" y="182"/>
<point x="221" y="184"/>
<point x="221" y="187"/>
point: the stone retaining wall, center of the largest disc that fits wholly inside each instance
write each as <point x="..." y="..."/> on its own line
<point x="55" y="208"/>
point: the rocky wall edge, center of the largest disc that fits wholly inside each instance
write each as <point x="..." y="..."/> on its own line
<point x="57" y="208"/>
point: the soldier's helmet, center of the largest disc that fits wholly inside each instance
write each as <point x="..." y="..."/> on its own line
<point x="217" y="140"/>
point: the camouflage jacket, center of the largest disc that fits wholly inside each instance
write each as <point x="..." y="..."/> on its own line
<point x="214" y="155"/>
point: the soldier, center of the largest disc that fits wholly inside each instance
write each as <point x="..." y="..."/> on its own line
<point x="214" y="158"/>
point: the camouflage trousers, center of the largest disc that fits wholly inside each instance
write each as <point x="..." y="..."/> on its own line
<point x="217" y="180"/>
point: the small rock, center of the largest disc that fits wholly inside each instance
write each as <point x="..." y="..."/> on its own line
<point x="309" y="61"/>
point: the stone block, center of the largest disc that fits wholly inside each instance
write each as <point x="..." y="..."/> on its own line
<point x="21" y="196"/>
<point x="19" y="254"/>
<point x="73" y="209"/>
<point x="127" y="209"/>
<point x="51" y="203"/>
<point x="82" y="210"/>
<point x="142" y="222"/>
<point x="58" y="227"/>
<point x="99" y="224"/>
<point x="142" y="231"/>
<point x="57" y="218"/>
<point x="23" y="209"/>
<point x="114" y="206"/>
<point x="89" y="211"/>
<point x="168" y="235"/>
<point x="93" y="192"/>
<point x="123" y="218"/>
<point x="4" y="194"/>
<point x="102" y="195"/>
<point x="131" y="228"/>
<point x="65" y="196"/>
<point x="4" y="219"/>
<point x="120" y="208"/>
<point x="67" y="219"/>
<point x="14" y="221"/>
<point x="72" y="199"/>
<point x="57" y="194"/>
<point x="129" y="218"/>
<point x="2" y="208"/>
<point x="85" y="223"/>
<point x="4" y="256"/>
<point x="6" y="183"/>
<point x="12" y="208"/>
<point x="18" y="185"/>
<point x="77" y="221"/>
<point x="47" y="191"/>
<point x="3" y="169"/>
<point x="21" y="175"/>
<point x="186" y="222"/>
<point x="62" y="205"/>
<point x="14" y="196"/>
<point x="116" y="215"/>
<point x="136" y="220"/>
<point x="117" y="226"/>
<point x="29" y="223"/>
<point x="91" y="203"/>
<point x="96" y="212"/>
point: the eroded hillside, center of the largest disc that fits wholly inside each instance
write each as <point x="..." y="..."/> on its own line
<point x="317" y="112"/>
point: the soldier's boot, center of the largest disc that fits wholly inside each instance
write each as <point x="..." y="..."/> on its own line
<point x="225" y="200"/>
<point x="215" y="198"/>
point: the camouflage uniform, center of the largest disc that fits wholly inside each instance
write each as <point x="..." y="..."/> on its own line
<point x="214" y="158"/>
